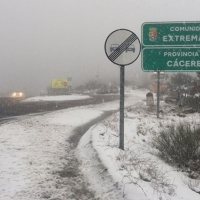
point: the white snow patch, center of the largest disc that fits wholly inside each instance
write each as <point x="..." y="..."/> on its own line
<point x="57" y="98"/>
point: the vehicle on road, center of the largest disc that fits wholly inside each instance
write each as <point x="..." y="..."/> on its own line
<point x="18" y="94"/>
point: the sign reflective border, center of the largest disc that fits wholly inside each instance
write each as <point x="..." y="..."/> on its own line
<point x="171" y="59"/>
<point x="122" y="47"/>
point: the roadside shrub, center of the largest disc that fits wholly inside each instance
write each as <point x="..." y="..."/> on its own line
<point x="194" y="185"/>
<point x="179" y="144"/>
<point x="138" y="169"/>
<point x="192" y="102"/>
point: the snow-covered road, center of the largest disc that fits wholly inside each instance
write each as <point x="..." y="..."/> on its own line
<point x="38" y="159"/>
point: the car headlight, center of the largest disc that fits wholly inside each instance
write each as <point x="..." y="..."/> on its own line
<point x="14" y="94"/>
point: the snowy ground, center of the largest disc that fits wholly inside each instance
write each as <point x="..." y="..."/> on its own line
<point x="35" y="153"/>
<point x="56" y="98"/>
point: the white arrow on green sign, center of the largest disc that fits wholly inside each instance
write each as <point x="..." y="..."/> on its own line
<point x="171" y="59"/>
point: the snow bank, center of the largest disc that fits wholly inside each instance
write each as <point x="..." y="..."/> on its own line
<point x="56" y="98"/>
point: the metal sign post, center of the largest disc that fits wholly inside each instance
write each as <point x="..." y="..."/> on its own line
<point x="158" y="93"/>
<point x="122" y="47"/>
<point x="121" y="126"/>
<point x="170" y="46"/>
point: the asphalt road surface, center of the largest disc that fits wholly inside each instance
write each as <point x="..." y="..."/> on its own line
<point x="13" y="107"/>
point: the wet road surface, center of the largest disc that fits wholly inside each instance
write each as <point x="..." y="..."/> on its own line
<point x="13" y="107"/>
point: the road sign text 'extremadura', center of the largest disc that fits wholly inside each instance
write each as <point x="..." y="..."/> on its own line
<point x="173" y="34"/>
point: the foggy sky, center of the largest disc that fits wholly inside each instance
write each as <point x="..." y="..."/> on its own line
<point x="45" y="39"/>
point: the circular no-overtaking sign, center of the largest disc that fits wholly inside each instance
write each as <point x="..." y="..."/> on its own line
<point x="122" y="47"/>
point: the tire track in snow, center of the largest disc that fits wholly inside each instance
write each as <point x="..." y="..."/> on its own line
<point x="71" y="177"/>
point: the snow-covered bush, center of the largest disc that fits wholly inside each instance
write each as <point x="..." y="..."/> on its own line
<point x="194" y="185"/>
<point x="192" y="102"/>
<point x="138" y="169"/>
<point x="179" y="144"/>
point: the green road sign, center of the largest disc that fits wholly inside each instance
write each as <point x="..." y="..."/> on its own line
<point x="171" y="58"/>
<point x="171" y="34"/>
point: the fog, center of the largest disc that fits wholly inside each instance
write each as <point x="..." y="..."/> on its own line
<point x="45" y="39"/>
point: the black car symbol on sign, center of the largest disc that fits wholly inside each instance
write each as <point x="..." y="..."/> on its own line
<point x="114" y="47"/>
<point x="130" y="48"/>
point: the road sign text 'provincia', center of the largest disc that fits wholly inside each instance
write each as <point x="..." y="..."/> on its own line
<point x="171" y="59"/>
